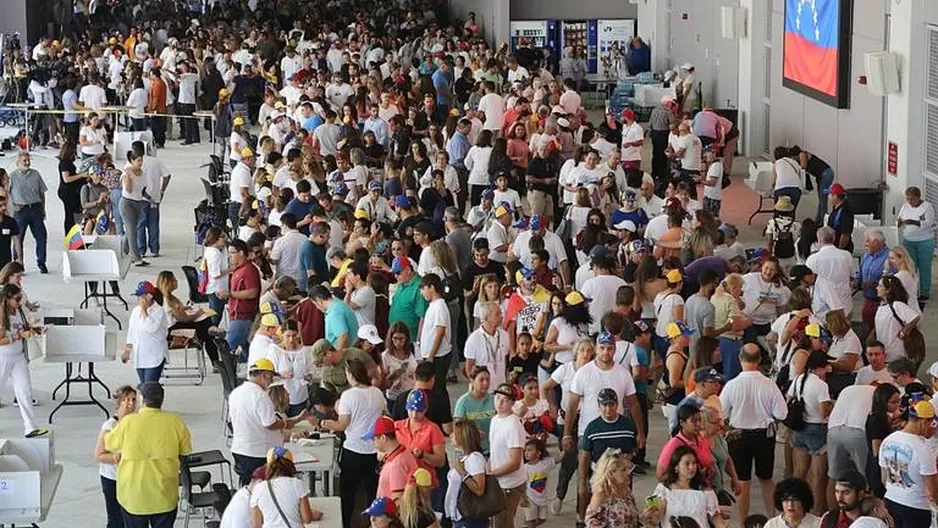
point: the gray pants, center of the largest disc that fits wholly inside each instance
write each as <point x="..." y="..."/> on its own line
<point x="130" y="211"/>
<point x="845" y="444"/>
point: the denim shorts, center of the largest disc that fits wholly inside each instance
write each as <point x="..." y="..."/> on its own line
<point x="813" y="439"/>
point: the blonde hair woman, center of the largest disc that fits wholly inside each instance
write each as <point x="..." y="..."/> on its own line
<point x="467" y="468"/>
<point x="612" y="504"/>
<point x="728" y="315"/>
<point x="900" y="264"/>
<point x="490" y="290"/>
<point x="415" y="509"/>
<point x="181" y="318"/>
<point x="846" y="347"/>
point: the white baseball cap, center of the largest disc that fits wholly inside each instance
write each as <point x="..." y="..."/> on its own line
<point x="370" y="333"/>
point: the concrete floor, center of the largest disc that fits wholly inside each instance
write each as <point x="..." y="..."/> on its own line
<point x="79" y="501"/>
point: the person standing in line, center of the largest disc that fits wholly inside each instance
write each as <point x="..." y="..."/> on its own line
<point x="28" y="193"/>
<point x="156" y="179"/>
<point x="11" y="245"/>
<point x="244" y="293"/>
<point x="435" y="328"/>
<point x="908" y="466"/>
<point x="916" y="220"/>
<point x="72" y="118"/>
<point x="753" y="403"/>
<point x="506" y="440"/>
<point x="133" y="184"/>
<point x="147" y="330"/>
<point x="157" y="104"/>
<point x="189" y="86"/>
<point x="151" y="444"/>
<point x="126" y="398"/>
<point x="70" y="184"/>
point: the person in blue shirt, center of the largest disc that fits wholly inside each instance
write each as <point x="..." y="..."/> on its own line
<point x="442" y="84"/>
<point x="639" y="59"/>
<point x="340" y="322"/>
<point x="459" y="146"/>
<point x="378" y="126"/>
<point x="871" y="270"/>
<point x="301" y="206"/>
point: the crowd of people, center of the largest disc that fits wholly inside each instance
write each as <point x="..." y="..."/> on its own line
<point x="411" y="211"/>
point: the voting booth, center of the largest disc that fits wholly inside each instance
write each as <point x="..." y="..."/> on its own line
<point x="762" y="182"/>
<point x="97" y="269"/>
<point x="29" y="479"/>
<point x="123" y="140"/>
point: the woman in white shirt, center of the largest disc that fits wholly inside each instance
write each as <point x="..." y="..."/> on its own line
<point x="894" y="317"/>
<point x="214" y="271"/>
<point x="238" y="141"/>
<point x="126" y="398"/>
<point x="292" y="362"/>
<point x="133" y="183"/>
<point x="477" y="163"/>
<point x="567" y="328"/>
<point x="92" y="138"/>
<point x="809" y="453"/>
<point x="147" y="329"/>
<point x="281" y="500"/>
<point x="917" y="222"/>
<point x="764" y="298"/>
<point x="14" y="330"/>
<point x="578" y="214"/>
<point x="681" y="494"/>
<point x="786" y="174"/>
<point x="900" y="264"/>
<point x="468" y="468"/>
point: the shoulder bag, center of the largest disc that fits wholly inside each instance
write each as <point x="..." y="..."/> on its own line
<point x="283" y="516"/>
<point x="795" y="419"/>
<point x="491" y="503"/>
<point x="913" y="341"/>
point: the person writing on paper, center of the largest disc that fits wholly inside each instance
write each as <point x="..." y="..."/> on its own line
<point x="126" y="398"/>
<point x="146" y="334"/>
<point x="13" y="362"/>
<point x="281" y="499"/>
<point x="183" y="317"/>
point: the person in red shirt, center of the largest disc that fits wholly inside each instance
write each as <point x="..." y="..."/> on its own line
<point x="311" y="321"/>
<point x="156" y="103"/>
<point x="395" y="461"/>
<point x="542" y="274"/>
<point x="244" y="296"/>
<point x="423" y="439"/>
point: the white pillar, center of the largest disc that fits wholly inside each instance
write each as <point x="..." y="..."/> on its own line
<point x="654" y="26"/>
<point x="751" y="76"/>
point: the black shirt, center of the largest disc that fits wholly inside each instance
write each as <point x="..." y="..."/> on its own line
<point x="438" y="408"/>
<point x="72" y="190"/>
<point x="841" y="220"/>
<point x="527" y="365"/>
<point x="474" y="270"/>
<point x="8" y="230"/>
<point x="816" y="166"/>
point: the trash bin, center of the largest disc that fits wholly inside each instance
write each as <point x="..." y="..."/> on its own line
<point x="866" y="200"/>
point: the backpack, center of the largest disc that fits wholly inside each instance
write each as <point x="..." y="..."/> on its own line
<point x="795" y="419"/>
<point x="784" y="242"/>
<point x="452" y="287"/>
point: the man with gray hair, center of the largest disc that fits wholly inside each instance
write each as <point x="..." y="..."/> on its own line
<point x="833" y="264"/>
<point x="871" y="270"/>
<point x="28" y="194"/>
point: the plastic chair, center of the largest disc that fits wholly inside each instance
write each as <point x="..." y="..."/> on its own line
<point x="193" y="501"/>
<point x="192" y="280"/>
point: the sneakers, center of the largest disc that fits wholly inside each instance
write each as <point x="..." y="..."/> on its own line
<point x="141" y="263"/>
<point x="556" y="506"/>
<point x="35" y="433"/>
<point x="43" y="269"/>
<point x="17" y="404"/>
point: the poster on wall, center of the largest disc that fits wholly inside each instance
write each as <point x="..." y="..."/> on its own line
<point x="613" y="38"/>
<point x="816" y="56"/>
<point x="535" y="31"/>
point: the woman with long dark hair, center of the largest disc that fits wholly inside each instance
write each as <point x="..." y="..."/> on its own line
<point x="894" y="317"/>
<point x="181" y="318"/>
<point x="399" y="362"/>
<point x="680" y="494"/>
<point x="884" y="418"/>
<point x="70" y="183"/>
<point x="14" y="330"/>
<point x="567" y="328"/>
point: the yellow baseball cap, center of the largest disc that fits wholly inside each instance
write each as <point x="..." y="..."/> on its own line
<point x="500" y="211"/>
<point x="263" y="365"/>
<point x="270" y="320"/>
<point x="361" y="213"/>
<point x="421" y="477"/>
<point x="246" y="152"/>
<point x="674" y="276"/>
<point x="223" y="93"/>
<point x="278" y="452"/>
<point x="574" y="298"/>
<point x="679" y="329"/>
<point x="238" y="121"/>
<point x="813" y="330"/>
<point x="922" y="410"/>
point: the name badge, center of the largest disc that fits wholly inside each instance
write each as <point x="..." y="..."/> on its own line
<point x="5" y="231"/>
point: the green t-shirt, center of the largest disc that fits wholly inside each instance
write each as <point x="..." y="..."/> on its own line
<point x="408" y="306"/>
<point x="335" y="374"/>
<point x="478" y="411"/>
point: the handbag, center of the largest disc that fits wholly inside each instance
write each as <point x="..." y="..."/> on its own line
<point x="283" y="516"/>
<point x="795" y="419"/>
<point x="913" y="341"/>
<point x="563" y="228"/>
<point x="491" y="503"/>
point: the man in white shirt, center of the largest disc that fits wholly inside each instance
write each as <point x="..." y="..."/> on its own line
<point x="339" y="92"/>
<point x="92" y="95"/>
<point x="493" y="106"/>
<point x="753" y="403"/>
<point x="500" y="235"/>
<point x="833" y="264"/>
<point x="507" y="438"/>
<point x="552" y="243"/>
<point x="359" y="296"/>
<point x="290" y="63"/>
<point x="601" y="290"/>
<point x="876" y="371"/>
<point x="688" y="148"/>
<point x="266" y="335"/>
<point x="633" y="138"/>
<point x="435" y="328"/>
<point x="824" y="294"/>
<point x="241" y="184"/>
<point x="254" y="424"/>
<point x="188" y="82"/>
<point x="907" y="462"/>
<point x="846" y="429"/>
<point x="487" y="346"/>
<point x="287" y="251"/>
<point x="516" y="72"/>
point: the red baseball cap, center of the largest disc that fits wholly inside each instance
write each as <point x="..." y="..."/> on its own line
<point x="837" y="190"/>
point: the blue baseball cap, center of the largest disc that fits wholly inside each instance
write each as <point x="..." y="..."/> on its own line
<point x="400" y="264"/>
<point x="416" y="401"/>
<point x="488" y="194"/>
<point x="605" y="338"/>
<point x="402" y="201"/>
<point x="381" y="506"/>
<point x="341" y="189"/>
<point x="522" y="223"/>
<point x="374" y="186"/>
<point x="535" y="223"/>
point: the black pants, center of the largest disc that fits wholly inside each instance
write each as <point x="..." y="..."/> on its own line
<point x="356" y="470"/>
<point x="441" y="369"/>
<point x="158" y="127"/>
<point x="190" y="127"/>
<point x="201" y="332"/>
<point x="643" y="402"/>
<point x="659" y="161"/>
<point x="906" y="517"/>
<point x="114" y="517"/>
<point x="156" y="520"/>
<point x="72" y="206"/>
<point x="245" y="466"/>
<point x="72" y="130"/>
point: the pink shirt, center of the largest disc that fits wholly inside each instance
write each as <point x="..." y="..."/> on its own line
<point x="395" y="472"/>
<point x="704" y="458"/>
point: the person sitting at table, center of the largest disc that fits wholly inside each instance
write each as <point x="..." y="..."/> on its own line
<point x="182" y="318"/>
<point x="281" y="497"/>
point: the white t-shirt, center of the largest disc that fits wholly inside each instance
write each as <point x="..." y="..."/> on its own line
<point x="664" y="310"/>
<point x="850" y="343"/>
<point x="656" y="227"/>
<point x="147" y="335"/>
<point x="567" y="334"/>
<point x="905" y="459"/>
<point x="474" y="464"/>
<point x="489" y="351"/>
<point x="852" y="407"/>
<point x="601" y="291"/>
<point x="506" y="433"/>
<point x="699" y="505"/>
<point x="887" y="328"/>
<point x="215" y="261"/>
<point x="910" y="283"/>
<point x="97" y="137"/>
<point x="288" y="492"/>
<point x="238" y="512"/>
<point x="363" y="405"/>
<point x="258" y="347"/>
<point x="552" y="244"/>
<point x="405" y="381"/>
<point x="364" y="297"/>
<point x="835" y="265"/>
<point x="763" y="298"/>
<point x="787" y="174"/>
<point x="240" y="177"/>
<point x="692" y="150"/>
<point x="866" y="376"/>
<point x="295" y="363"/>
<point x="924" y="213"/>
<point x="537" y="473"/>
<point x="814" y="393"/>
<point x="92" y="96"/>
<point x="498" y="235"/>
<point x="508" y="195"/>
<point x="437" y="315"/>
<point x="251" y="411"/>
<point x="493" y="106"/>
<point x="590" y="379"/>
<point x="631" y="134"/>
<point x="714" y="192"/>
<point x="563" y="376"/>
<point x="108" y="471"/>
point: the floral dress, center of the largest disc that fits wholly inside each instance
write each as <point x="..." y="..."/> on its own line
<point x="614" y="512"/>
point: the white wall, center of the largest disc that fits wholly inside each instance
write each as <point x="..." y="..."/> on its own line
<point x="696" y="37"/>
<point x="491" y="15"/>
<point x="571" y="10"/>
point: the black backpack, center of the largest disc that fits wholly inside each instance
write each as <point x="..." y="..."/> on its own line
<point x="795" y="419"/>
<point x="784" y="242"/>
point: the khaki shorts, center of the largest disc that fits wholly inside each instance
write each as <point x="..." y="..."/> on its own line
<point x="541" y="203"/>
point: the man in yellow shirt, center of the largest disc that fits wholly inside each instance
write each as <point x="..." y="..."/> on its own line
<point x="149" y="444"/>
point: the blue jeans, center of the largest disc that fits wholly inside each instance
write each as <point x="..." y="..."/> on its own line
<point x="150" y="374"/>
<point x="812" y="438"/>
<point x="148" y="228"/>
<point x="32" y="217"/>
<point x="471" y="523"/>
<point x="792" y="192"/>
<point x="116" y="200"/>
<point x="218" y="305"/>
<point x="154" y="520"/>
<point x="922" y="254"/>
<point x="238" y="330"/>
<point x="233" y="209"/>
<point x="729" y="355"/>
<point x="825" y="180"/>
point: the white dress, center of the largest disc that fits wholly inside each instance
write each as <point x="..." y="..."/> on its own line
<point x="700" y="505"/>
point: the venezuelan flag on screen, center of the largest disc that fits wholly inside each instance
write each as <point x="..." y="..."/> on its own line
<point x="73" y="239"/>
<point x="812" y="36"/>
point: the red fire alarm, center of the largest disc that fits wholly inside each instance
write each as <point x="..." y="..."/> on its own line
<point x="862" y="80"/>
